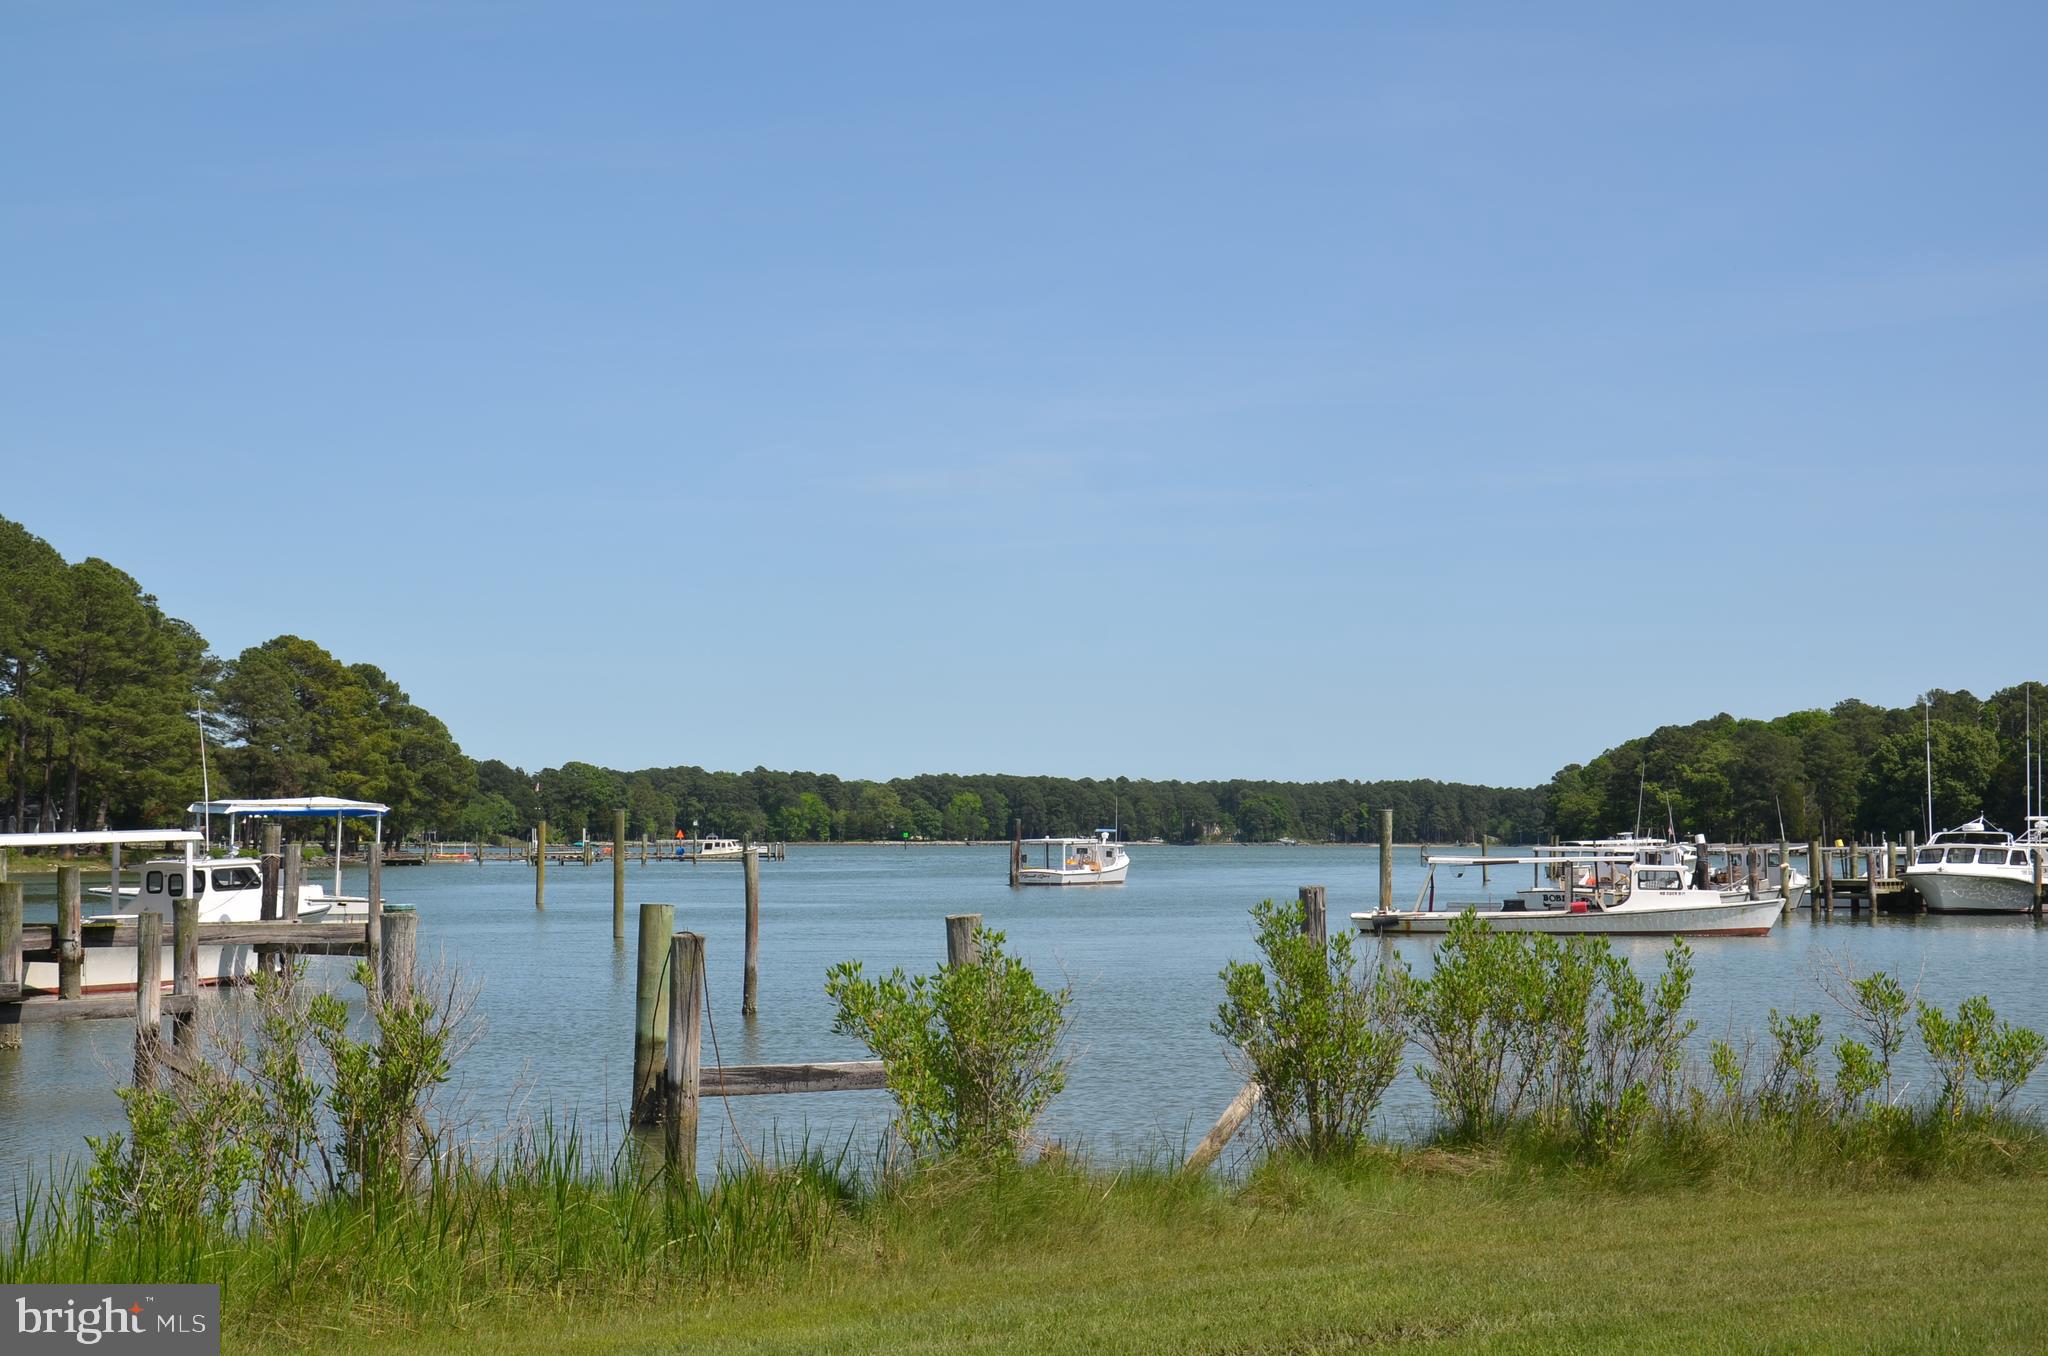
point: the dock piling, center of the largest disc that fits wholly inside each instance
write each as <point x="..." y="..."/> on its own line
<point x="540" y="865"/>
<point x="185" y="973"/>
<point x="1823" y="886"/>
<point x="373" y="932"/>
<point x="70" y="925"/>
<point x="1016" y="849"/>
<point x="149" y="995"/>
<point x="650" y="1011"/>
<point x="400" y="947"/>
<point x="963" y="939"/>
<point x="1386" y="861"/>
<point x="619" y="875"/>
<point x="684" y="1056"/>
<point x="750" y="866"/>
<point x="11" y="971"/>
<point x="1315" y="913"/>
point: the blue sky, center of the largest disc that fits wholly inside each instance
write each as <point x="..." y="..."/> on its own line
<point x="1164" y="390"/>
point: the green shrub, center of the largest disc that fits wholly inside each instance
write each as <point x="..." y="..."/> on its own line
<point x="973" y="1053"/>
<point x="1322" y="1040"/>
<point x="1975" y="1047"/>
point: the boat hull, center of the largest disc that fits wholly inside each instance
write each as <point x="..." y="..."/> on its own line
<point x="1039" y="875"/>
<point x="1736" y="918"/>
<point x="111" y="969"/>
<point x="1968" y="892"/>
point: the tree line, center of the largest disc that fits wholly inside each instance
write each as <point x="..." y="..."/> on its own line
<point x="105" y="700"/>
<point x="1853" y="770"/>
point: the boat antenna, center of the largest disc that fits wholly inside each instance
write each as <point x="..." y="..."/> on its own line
<point x="1781" y="815"/>
<point x="1927" y="722"/>
<point x="205" y="779"/>
<point x="1642" y="780"/>
<point x="2027" y="764"/>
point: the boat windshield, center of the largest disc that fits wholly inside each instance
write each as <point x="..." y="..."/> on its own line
<point x="1657" y="880"/>
<point x="234" y="878"/>
<point x="1960" y="854"/>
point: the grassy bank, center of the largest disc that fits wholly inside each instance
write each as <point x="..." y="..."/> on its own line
<point x="1737" y="1242"/>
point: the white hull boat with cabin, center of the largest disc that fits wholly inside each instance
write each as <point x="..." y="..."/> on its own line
<point x="1979" y="869"/>
<point x="1603" y="895"/>
<point x="718" y="849"/>
<point x="1100" y="860"/>
<point x="229" y="890"/>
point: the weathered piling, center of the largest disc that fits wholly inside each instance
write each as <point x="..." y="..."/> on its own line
<point x="373" y="934"/>
<point x="1749" y="862"/>
<point x="750" y="867"/>
<point x="149" y="995"/>
<point x="1485" y="876"/>
<point x="400" y="948"/>
<point x="294" y="881"/>
<point x="1016" y="849"/>
<point x="963" y="939"/>
<point x="1225" y="1129"/>
<point x="2039" y="857"/>
<point x="1386" y="861"/>
<point x="540" y="865"/>
<point x="684" y="1055"/>
<point x="1822" y="887"/>
<point x="589" y="852"/>
<point x="619" y="875"/>
<point x="70" y="926"/>
<point x="1315" y="913"/>
<point x="11" y="970"/>
<point x="650" y="1011"/>
<point x="273" y="871"/>
<point x="185" y="973"/>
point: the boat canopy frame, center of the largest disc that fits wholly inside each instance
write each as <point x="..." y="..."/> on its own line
<point x="297" y="807"/>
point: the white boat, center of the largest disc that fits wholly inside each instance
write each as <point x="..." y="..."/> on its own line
<point x="1979" y="869"/>
<point x="1100" y="860"/>
<point x="713" y="849"/>
<point x="337" y="905"/>
<point x="229" y="890"/>
<point x="1607" y="894"/>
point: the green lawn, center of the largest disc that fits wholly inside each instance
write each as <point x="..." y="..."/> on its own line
<point x="1314" y="1261"/>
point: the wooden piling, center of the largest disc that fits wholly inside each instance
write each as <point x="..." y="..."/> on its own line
<point x="963" y="939"/>
<point x="2040" y="857"/>
<point x="273" y="871"/>
<point x="1823" y="875"/>
<point x="70" y="924"/>
<point x="540" y="865"/>
<point x="1315" y="916"/>
<point x="185" y="973"/>
<point x="589" y="851"/>
<point x="149" y="995"/>
<point x="619" y="875"/>
<point x="750" y="866"/>
<point x="1386" y="861"/>
<point x="651" y="1011"/>
<point x="1749" y="860"/>
<point x="294" y="881"/>
<point x="373" y="933"/>
<point x="1016" y="849"/>
<point x="684" y="1055"/>
<point x="1485" y="872"/>
<point x="1225" y="1129"/>
<point x="11" y="971"/>
<point x="401" y="927"/>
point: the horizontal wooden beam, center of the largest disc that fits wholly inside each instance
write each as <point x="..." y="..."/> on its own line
<point x="761" y="1080"/>
<point x="46" y="1008"/>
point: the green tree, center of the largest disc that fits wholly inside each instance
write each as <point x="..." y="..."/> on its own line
<point x="964" y="817"/>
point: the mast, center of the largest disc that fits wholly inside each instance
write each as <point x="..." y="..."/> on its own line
<point x="1927" y="722"/>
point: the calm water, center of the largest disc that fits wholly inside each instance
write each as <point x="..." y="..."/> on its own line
<point x="556" y="995"/>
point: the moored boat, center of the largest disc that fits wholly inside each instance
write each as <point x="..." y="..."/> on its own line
<point x="1979" y="868"/>
<point x="1100" y="860"/>
<point x="1605" y="894"/>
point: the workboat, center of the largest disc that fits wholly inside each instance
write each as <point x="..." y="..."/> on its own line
<point x="715" y="849"/>
<point x="1979" y="868"/>
<point x="1100" y="860"/>
<point x="1592" y="893"/>
<point x="336" y="904"/>
<point x="228" y="890"/>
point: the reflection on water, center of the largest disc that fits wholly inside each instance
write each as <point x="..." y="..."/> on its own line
<point x="556" y="993"/>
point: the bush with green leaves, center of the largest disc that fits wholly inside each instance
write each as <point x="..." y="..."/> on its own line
<point x="973" y="1053"/>
<point x="1974" y="1047"/>
<point x="1320" y="1036"/>
<point x="1560" y="1030"/>
<point x="294" y="1107"/>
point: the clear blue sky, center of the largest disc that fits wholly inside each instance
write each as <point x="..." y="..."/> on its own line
<point x="1168" y="390"/>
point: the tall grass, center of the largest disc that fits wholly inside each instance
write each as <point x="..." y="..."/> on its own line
<point x="540" y="1220"/>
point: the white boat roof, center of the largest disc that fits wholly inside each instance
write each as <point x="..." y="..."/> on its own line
<point x="293" y="807"/>
<point x="1083" y="841"/>
<point x="100" y="838"/>
<point x="1546" y="859"/>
